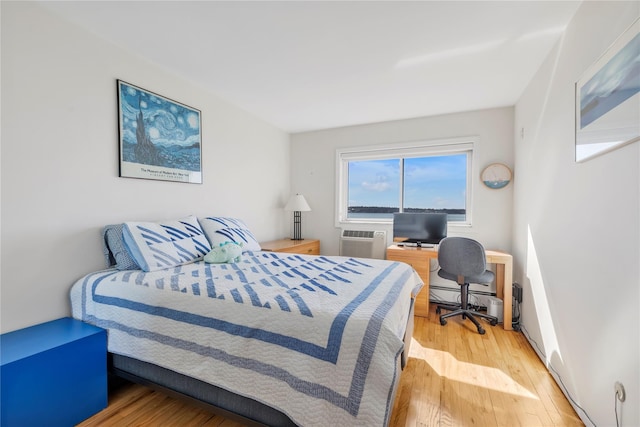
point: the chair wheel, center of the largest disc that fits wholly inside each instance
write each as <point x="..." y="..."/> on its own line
<point x="493" y="322"/>
<point x="443" y="322"/>
<point x="438" y="310"/>
<point x="481" y="331"/>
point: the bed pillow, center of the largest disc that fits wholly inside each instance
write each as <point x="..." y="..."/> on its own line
<point x="223" y="229"/>
<point x="115" y="251"/>
<point x="158" y="245"/>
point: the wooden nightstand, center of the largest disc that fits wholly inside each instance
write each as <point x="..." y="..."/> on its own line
<point x="304" y="247"/>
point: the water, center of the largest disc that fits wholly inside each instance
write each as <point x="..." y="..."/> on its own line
<point x="385" y="216"/>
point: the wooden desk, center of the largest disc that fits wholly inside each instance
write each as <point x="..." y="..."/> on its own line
<point x="420" y="260"/>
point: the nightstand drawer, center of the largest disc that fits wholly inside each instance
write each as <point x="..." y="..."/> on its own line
<point x="304" y="247"/>
<point x="311" y="247"/>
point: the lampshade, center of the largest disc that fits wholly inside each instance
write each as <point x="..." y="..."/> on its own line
<point x="297" y="203"/>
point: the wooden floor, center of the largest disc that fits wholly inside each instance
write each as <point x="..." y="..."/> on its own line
<point x="454" y="377"/>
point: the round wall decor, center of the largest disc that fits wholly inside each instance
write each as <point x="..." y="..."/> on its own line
<point x="496" y="176"/>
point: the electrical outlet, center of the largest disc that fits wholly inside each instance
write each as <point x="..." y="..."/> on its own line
<point x="620" y="394"/>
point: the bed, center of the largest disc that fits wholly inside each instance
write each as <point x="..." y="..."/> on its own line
<point x="276" y="338"/>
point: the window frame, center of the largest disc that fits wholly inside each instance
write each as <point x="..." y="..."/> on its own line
<point x="423" y="148"/>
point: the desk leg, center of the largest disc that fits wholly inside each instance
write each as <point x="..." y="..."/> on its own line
<point x="422" y="300"/>
<point x="504" y="279"/>
<point x="508" y="295"/>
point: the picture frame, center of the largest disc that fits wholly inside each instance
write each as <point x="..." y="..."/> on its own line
<point x="160" y="139"/>
<point x="496" y="176"/>
<point x="607" y="99"/>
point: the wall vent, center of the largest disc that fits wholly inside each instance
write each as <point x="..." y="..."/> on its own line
<point x="363" y="244"/>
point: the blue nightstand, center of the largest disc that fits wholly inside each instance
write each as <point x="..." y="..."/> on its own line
<point x="52" y="374"/>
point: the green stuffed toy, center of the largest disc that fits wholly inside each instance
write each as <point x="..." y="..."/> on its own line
<point x="227" y="252"/>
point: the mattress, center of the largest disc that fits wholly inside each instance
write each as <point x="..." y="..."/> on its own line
<point x="318" y="338"/>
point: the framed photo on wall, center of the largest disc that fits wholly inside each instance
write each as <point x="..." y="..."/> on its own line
<point x="160" y="138"/>
<point x="608" y="98"/>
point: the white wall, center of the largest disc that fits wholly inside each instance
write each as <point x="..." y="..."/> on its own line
<point x="577" y="230"/>
<point x="60" y="181"/>
<point x="313" y="163"/>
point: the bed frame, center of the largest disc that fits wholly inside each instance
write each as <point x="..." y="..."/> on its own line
<point x="216" y="399"/>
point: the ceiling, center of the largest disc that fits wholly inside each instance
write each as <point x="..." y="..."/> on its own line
<point x="310" y="65"/>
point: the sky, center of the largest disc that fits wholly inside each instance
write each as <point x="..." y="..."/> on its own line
<point x="430" y="182"/>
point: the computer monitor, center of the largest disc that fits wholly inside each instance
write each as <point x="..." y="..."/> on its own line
<point x="419" y="228"/>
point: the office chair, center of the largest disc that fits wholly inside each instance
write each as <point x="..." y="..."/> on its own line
<point x="463" y="260"/>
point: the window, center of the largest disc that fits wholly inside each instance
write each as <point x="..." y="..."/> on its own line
<point x="429" y="176"/>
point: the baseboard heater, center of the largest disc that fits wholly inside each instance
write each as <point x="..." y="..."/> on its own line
<point x="363" y="244"/>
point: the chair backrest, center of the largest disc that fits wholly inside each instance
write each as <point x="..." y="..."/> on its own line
<point x="462" y="256"/>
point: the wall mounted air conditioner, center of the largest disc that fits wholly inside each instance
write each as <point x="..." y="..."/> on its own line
<point x="363" y="244"/>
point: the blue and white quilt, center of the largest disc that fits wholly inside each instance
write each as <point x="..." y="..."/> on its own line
<point x="317" y="337"/>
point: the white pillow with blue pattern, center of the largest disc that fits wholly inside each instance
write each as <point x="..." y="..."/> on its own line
<point x="165" y="244"/>
<point x="224" y="229"/>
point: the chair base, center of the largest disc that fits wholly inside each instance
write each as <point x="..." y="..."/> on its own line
<point x="465" y="313"/>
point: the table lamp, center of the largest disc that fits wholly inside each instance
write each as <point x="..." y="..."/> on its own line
<point x="297" y="204"/>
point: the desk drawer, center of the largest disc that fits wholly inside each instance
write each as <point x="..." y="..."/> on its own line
<point x="421" y="263"/>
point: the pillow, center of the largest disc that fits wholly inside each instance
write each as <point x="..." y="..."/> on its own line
<point x="158" y="245"/>
<point x="221" y="229"/>
<point x="115" y="251"/>
<point x="227" y="252"/>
